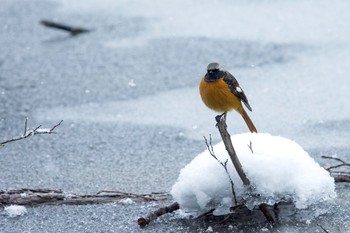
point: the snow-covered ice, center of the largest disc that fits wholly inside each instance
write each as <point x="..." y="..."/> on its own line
<point x="126" y="201"/>
<point x="278" y="168"/>
<point x="15" y="210"/>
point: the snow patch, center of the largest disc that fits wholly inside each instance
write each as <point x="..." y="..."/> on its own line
<point x="15" y="210"/>
<point x="126" y="201"/>
<point x="278" y="168"/>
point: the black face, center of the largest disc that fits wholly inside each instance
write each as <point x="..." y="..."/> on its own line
<point x="214" y="72"/>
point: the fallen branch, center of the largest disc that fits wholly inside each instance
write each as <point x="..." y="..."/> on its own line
<point x="155" y="214"/>
<point x="39" y="197"/>
<point x="72" y="30"/>
<point x="27" y="133"/>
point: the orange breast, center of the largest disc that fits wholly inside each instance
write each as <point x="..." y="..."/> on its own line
<point x="217" y="96"/>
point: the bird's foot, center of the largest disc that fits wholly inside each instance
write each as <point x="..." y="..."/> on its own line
<point x="219" y="118"/>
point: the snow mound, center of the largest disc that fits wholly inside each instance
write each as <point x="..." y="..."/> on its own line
<point x="15" y="210"/>
<point x="278" y="168"/>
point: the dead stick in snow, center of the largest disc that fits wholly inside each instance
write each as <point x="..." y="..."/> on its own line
<point x="226" y="138"/>
<point x="155" y="214"/>
<point x="72" y="30"/>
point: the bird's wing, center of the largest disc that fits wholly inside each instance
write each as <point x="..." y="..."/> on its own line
<point x="236" y="89"/>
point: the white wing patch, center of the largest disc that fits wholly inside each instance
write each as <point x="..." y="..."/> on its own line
<point x="239" y="89"/>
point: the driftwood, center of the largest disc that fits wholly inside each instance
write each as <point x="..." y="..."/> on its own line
<point x="39" y="197"/>
<point x="72" y="30"/>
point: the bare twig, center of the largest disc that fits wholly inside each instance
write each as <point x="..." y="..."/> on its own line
<point x="250" y="146"/>
<point x="221" y="124"/>
<point x="341" y="172"/>
<point x="155" y="214"/>
<point x="339" y="176"/>
<point x="72" y="30"/>
<point x="342" y="163"/>
<point x="25" y="126"/>
<point x="27" y="133"/>
<point x="205" y="214"/>
<point x="323" y="229"/>
<point x="331" y="157"/>
<point x="224" y="165"/>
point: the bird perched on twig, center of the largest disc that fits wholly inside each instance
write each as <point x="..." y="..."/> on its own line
<point x="220" y="91"/>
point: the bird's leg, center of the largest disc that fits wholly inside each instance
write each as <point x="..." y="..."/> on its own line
<point x="219" y="117"/>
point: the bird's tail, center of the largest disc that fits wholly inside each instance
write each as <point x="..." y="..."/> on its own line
<point x="248" y="121"/>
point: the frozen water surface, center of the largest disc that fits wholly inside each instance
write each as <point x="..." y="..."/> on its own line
<point x="128" y="95"/>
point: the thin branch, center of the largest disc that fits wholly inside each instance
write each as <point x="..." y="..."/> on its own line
<point x="342" y="163"/>
<point x="331" y="157"/>
<point x="32" y="132"/>
<point x="339" y="176"/>
<point x="55" y="126"/>
<point x="250" y="146"/>
<point x="25" y="126"/>
<point x="340" y="173"/>
<point x="224" y="165"/>
<point x="205" y="214"/>
<point x="324" y="230"/>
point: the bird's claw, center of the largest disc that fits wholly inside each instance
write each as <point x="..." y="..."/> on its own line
<point x="218" y="119"/>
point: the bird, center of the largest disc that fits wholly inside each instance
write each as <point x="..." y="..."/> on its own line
<point x="220" y="91"/>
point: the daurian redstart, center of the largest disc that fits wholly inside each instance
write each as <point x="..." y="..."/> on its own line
<point x="221" y="92"/>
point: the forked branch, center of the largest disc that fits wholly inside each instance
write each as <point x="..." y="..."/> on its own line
<point x="27" y="133"/>
<point x="339" y="175"/>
